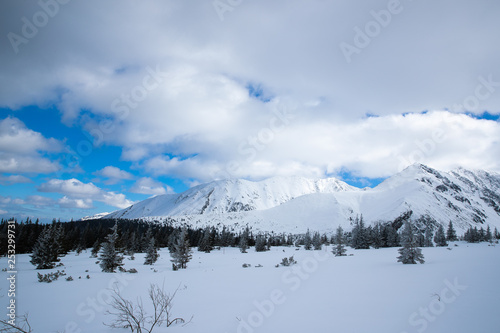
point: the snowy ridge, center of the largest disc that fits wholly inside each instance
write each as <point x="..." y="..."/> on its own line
<point x="294" y="204"/>
<point x="234" y="195"/>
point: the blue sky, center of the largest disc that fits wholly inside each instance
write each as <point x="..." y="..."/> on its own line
<point x="98" y="111"/>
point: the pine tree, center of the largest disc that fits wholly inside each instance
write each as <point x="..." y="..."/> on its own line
<point x="151" y="252"/>
<point x="391" y="236"/>
<point x="45" y="255"/>
<point x="440" y="238"/>
<point x="376" y="236"/>
<point x="110" y="258"/>
<point x="244" y="241"/>
<point x="308" y="240"/>
<point x="428" y="237"/>
<point x="260" y="243"/>
<point x="226" y="237"/>
<point x="359" y="235"/>
<point x="451" y="234"/>
<point x="171" y="240"/>
<point x="182" y="251"/>
<point x="488" y="237"/>
<point x="205" y="242"/>
<point x="339" y="249"/>
<point x="409" y="253"/>
<point x="316" y="241"/>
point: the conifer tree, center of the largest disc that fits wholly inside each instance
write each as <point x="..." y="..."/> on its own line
<point x="488" y="237"/>
<point x="451" y="234"/>
<point x="151" y="252"/>
<point x="339" y="249"/>
<point x="392" y="237"/>
<point x="409" y="253"/>
<point x="260" y="243"/>
<point x="182" y="250"/>
<point x="226" y="237"/>
<point x="307" y="240"/>
<point x="359" y="235"/>
<point x="45" y="255"/>
<point x="244" y="241"/>
<point x="205" y="242"/>
<point x="428" y="237"/>
<point x="110" y="258"/>
<point x="376" y="236"/>
<point x="316" y="241"/>
<point x="440" y="238"/>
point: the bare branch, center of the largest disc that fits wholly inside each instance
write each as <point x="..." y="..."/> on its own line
<point x="129" y="315"/>
<point x="24" y="327"/>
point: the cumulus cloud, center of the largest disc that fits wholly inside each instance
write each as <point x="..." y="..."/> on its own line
<point x="24" y="150"/>
<point x="80" y="195"/>
<point x="113" y="174"/>
<point x="188" y="107"/>
<point x="372" y="147"/>
<point x="66" y="202"/>
<point x="147" y="185"/>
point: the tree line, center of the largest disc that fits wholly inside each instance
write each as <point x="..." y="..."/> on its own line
<point x="137" y="236"/>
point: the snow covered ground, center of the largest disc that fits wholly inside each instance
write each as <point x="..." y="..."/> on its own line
<point x="456" y="290"/>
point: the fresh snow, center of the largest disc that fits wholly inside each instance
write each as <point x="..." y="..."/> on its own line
<point x="294" y="204"/>
<point x="456" y="290"/>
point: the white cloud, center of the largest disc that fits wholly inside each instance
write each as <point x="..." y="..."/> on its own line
<point x="22" y="150"/>
<point x="148" y="185"/>
<point x="371" y="147"/>
<point x="75" y="189"/>
<point x="114" y="174"/>
<point x="66" y="202"/>
<point x="39" y="201"/>
<point x="14" y="179"/>
<point x="72" y="187"/>
<point x="194" y="118"/>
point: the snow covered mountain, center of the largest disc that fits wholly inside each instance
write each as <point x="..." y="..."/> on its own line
<point x="235" y="195"/>
<point x="294" y="204"/>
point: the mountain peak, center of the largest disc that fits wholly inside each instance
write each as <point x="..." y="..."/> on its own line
<point x="293" y="204"/>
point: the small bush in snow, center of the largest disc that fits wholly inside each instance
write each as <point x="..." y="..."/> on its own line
<point x="69" y="278"/>
<point x="288" y="261"/>
<point x="132" y="270"/>
<point x="50" y="276"/>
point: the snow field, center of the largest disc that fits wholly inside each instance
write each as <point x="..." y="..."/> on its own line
<point x="454" y="291"/>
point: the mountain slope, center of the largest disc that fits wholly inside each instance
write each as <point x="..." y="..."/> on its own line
<point x="233" y="195"/>
<point x="294" y="204"/>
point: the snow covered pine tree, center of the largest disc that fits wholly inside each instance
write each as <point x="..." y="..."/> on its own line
<point x="339" y="249"/>
<point x="181" y="253"/>
<point x="410" y="253"/>
<point x="110" y="258"/>
<point x="46" y="249"/>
